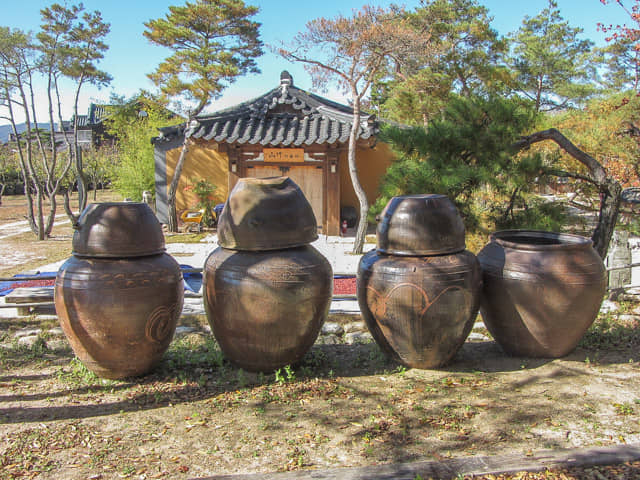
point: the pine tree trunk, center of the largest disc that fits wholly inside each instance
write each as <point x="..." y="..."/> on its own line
<point x="610" y="189"/>
<point x="608" y="217"/>
<point x="173" y="188"/>
<point x="81" y="179"/>
<point x="361" y="230"/>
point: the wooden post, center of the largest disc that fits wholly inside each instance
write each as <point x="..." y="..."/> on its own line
<point x="619" y="255"/>
<point x="332" y="173"/>
<point x="235" y="167"/>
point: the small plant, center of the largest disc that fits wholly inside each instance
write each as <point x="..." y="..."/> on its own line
<point x="128" y="470"/>
<point x="79" y="374"/>
<point x="285" y="376"/>
<point x="623" y="408"/>
<point x="290" y="373"/>
<point x="401" y="370"/>
<point x="241" y="378"/>
<point x="203" y="189"/>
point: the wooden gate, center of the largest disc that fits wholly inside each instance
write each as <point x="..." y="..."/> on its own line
<point x="308" y="177"/>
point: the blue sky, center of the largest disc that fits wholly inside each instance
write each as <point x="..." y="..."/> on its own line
<point x="131" y="56"/>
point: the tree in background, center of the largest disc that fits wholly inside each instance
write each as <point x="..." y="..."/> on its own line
<point x="466" y="62"/>
<point x="71" y="43"/>
<point x="622" y="56"/>
<point x="608" y="128"/>
<point x="99" y="164"/>
<point x="133" y="122"/>
<point x="213" y="42"/>
<point x="68" y="45"/>
<point x="466" y="154"/>
<point x="352" y="52"/>
<point x="479" y="155"/>
<point x="10" y="178"/>
<point x="552" y="66"/>
<point x="622" y="61"/>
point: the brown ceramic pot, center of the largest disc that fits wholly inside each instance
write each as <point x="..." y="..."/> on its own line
<point x="266" y="308"/>
<point x="119" y="315"/>
<point x="266" y="214"/>
<point x="541" y="291"/>
<point x="420" y="310"/>
<point x="420" y="225"/>
<point x="117" y="230"/>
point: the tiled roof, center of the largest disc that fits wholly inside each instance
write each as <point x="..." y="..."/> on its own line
<point x="284" y="116"/>
<point x="95" y="116"/>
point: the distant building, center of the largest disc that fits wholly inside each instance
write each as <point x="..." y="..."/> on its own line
<point x="91" y="129"/>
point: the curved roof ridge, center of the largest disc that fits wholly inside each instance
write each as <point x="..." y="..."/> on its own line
<point x="317" y="120"/>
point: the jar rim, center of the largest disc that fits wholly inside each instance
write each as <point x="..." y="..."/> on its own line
<point x="540" y="240"/>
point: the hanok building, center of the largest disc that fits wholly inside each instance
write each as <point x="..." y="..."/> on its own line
<point x="286" y="131"/>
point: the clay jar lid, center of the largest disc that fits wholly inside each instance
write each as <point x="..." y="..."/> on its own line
<point x="117" y="230"/>
<point x="420" y="225"/>
<point x="266" y="214"/>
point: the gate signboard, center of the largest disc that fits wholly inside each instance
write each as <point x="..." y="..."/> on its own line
<point x="290" y="155"/>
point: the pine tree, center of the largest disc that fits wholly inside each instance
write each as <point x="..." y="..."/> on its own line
<point x="213" y="42"/>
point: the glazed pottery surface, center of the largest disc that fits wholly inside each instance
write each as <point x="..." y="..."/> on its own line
<point x="266" y="214"/>
<point x="117" y="230"/>
<point x="420" y="310"/>
<point x="541" y="291"/>
<point x="119" y="315"/>
<point x="420" y="225"/>
<point x="266" y="308"/>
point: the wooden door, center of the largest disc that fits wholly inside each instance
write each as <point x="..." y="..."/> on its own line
<point x="308" y="177"/>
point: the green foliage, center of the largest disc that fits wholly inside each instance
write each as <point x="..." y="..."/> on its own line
<point x="11" y="182"/>
<point x="607" y="128"/>
<point x="71" y="42"/>
<point x="68" y="45"/>
<point x="552" y="66"/>
<point x="203" y="189"/>
<point x="622" y="56"/>
<point x="99" y="166"/>
<point x="213" y="42"/>
<point x="467" y="155"/>
<point x="287" y="375"/>
<point x="134" y="122"/>
<point x="609" y="333"/>
<point x="78" y="374"/>
<point x="466" y="61"/>
<point x="183" y="355"/>
<point x="622" y="61"/>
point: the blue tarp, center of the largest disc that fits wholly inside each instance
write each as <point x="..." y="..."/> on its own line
<point x="7" y="287"/>
<point x="192" y="280"/>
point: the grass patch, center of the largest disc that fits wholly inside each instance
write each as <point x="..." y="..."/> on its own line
<point x="192" y="358"/>
<point x="79" y="375"/>
<point x="184" y="237"/>
<point x="609" y="332"/>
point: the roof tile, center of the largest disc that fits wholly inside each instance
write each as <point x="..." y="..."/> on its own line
<point x="284" y="116"/>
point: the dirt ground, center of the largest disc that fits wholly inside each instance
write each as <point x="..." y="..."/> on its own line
<point x="22" y="251"/>
<point x="345" y="405"/>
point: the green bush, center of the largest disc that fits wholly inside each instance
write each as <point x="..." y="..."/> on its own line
<point x="468" y="155"/>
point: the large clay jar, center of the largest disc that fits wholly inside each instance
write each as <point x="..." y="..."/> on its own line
<point x="266" y="292"/>
<point x="420" y="308"/>
<point x="117" y="230"/>
<point x="541" y="292"/>
<point x="427" y="224"/>
<point x="266" y="308"/>
<point x="119" y="313"/>
<point x="266" y="214"/>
